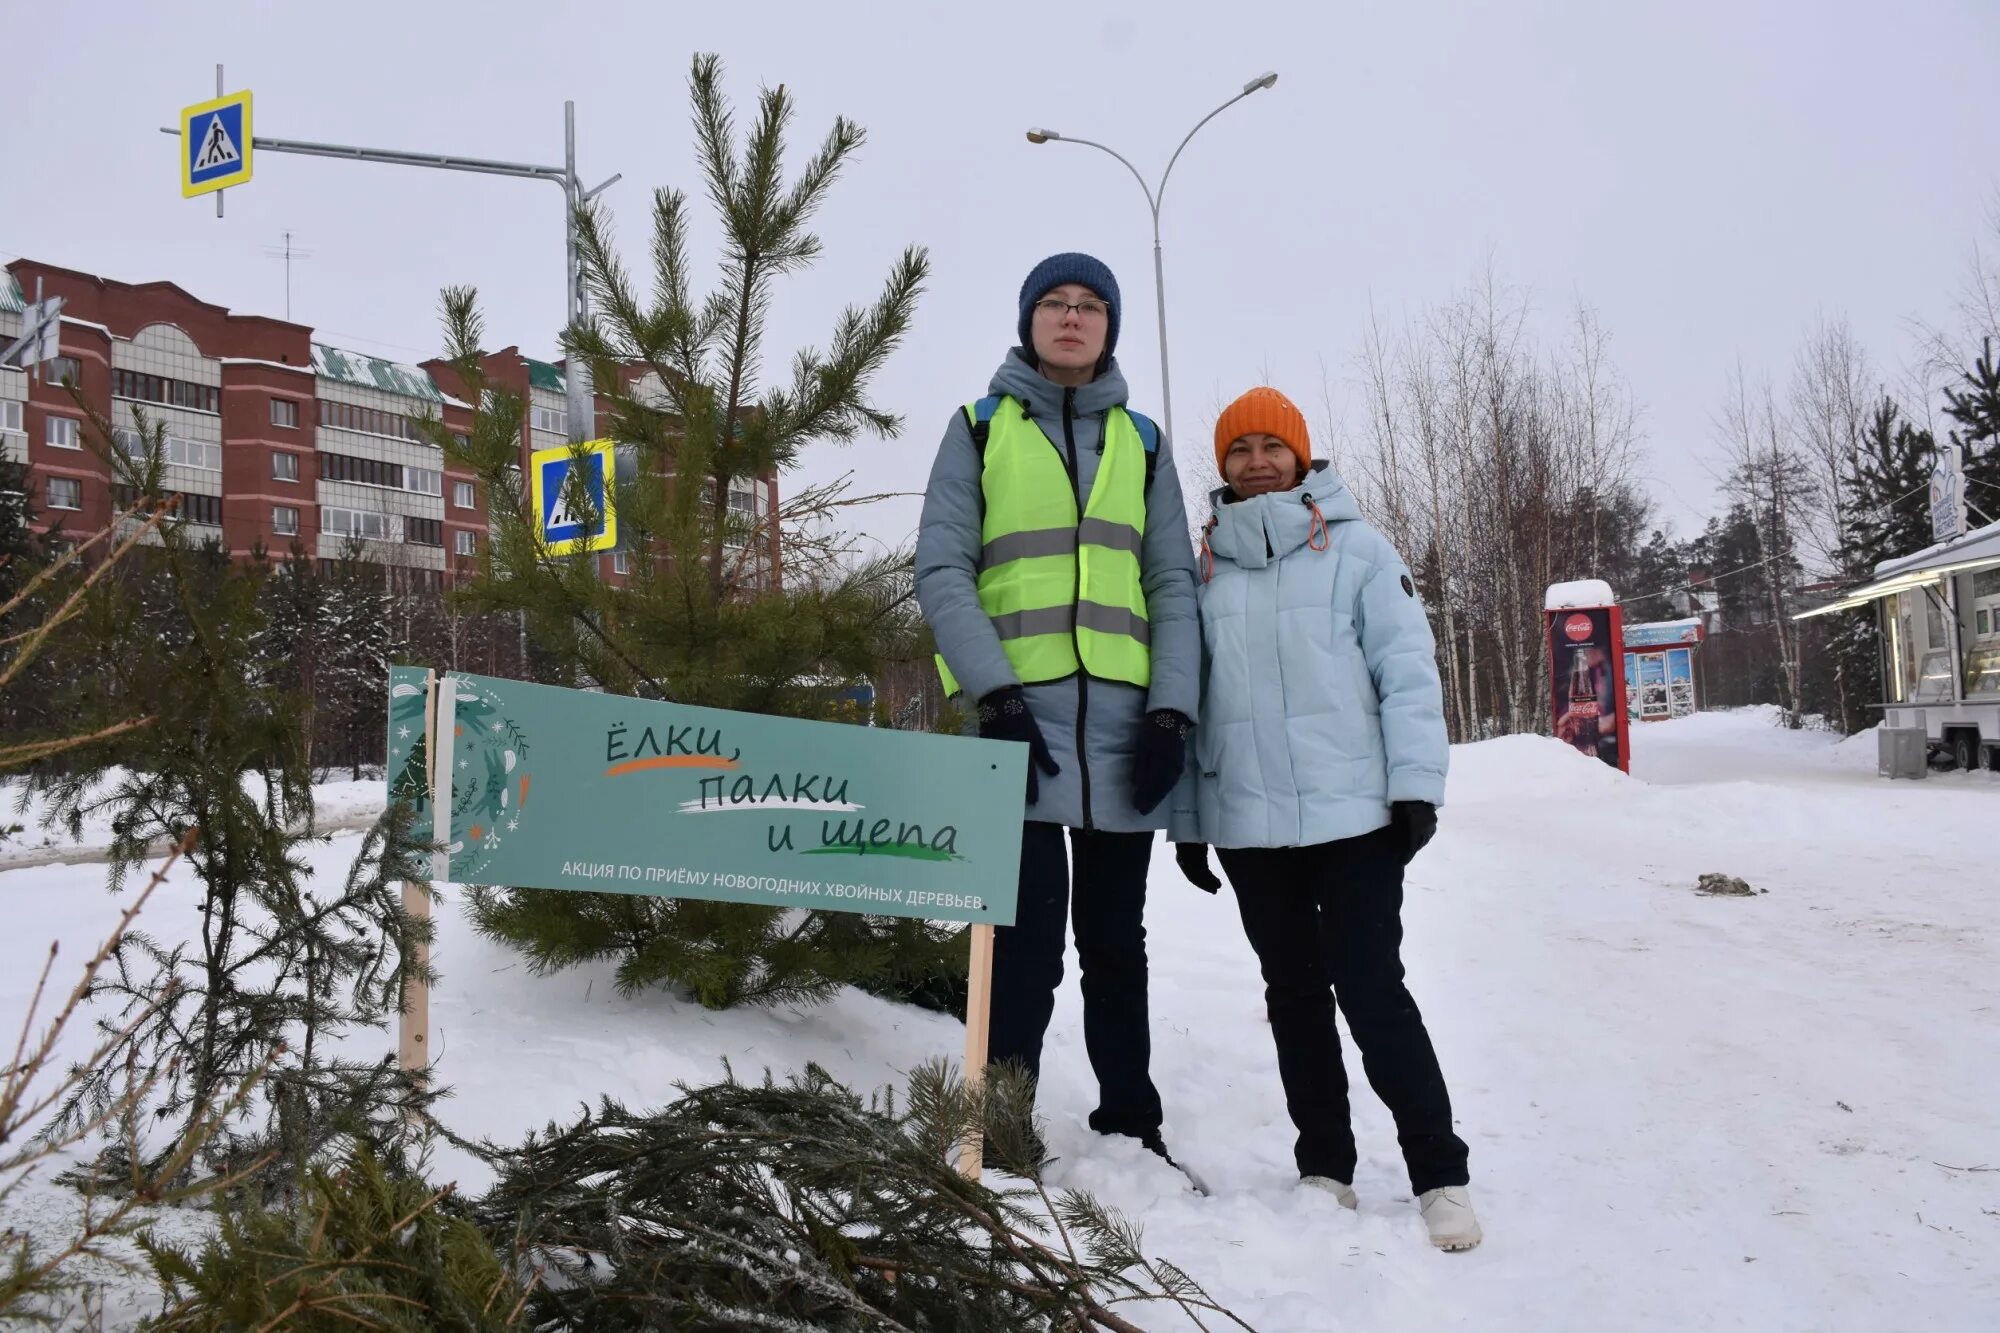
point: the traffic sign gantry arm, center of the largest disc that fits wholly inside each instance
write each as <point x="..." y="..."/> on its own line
<point x="576" y="303"/>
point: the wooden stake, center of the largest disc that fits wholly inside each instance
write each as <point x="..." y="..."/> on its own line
<point x="413" y="1028"/>
<point x="978" y="1018"/>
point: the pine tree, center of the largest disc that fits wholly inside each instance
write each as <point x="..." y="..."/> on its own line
<point x="708" y="618"/>
<point x="1974" y="403"/>
<point x="1884" y="494"/>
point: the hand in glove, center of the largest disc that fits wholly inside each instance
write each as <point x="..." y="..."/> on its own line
<point x="1158" y="758"/>
<point x="1004" y="716"/>
<point x="1415" y="824"/>
<point x="1193" y="858"/>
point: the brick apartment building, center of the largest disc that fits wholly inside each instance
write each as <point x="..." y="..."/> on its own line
<point x="273" y="438"/>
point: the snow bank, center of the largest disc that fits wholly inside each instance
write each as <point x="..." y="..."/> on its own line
<point x="1509" y="766"/>
<point x="1684" y="1112"/>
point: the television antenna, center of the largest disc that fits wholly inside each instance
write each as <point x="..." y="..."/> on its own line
<point x="287" y="252"/>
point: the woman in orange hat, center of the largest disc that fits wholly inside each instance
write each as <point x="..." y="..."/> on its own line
<point x="1320" y="759"/>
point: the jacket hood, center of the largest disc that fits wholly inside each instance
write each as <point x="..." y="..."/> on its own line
<point x="1017" y="379"/>
<point x="1266" y="528"/>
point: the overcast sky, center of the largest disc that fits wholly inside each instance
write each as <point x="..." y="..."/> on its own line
<point x="1710" y="176"/>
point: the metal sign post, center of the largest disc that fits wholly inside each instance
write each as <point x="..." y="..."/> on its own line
<point x="576" y="299"/>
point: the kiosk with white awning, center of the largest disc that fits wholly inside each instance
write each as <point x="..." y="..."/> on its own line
<point x="1939" y="616"/>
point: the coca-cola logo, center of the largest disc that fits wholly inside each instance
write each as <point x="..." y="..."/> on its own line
<point x="1578" y="627"/>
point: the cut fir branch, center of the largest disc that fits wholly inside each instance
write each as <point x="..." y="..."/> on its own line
<point x="811" y="1208"/>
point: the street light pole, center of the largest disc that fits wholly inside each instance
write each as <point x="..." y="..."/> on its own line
<point x="1154" y="198"/>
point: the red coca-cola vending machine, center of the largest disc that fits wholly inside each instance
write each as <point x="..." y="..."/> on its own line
<point x="1586" y="671"/>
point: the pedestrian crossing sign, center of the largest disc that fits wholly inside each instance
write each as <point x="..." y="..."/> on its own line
<point x="215" y="144"/>
<point x="574" y="519"/>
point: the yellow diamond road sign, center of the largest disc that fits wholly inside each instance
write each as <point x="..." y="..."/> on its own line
<point x="215" y="144"/>
<point x="568" y="526"/>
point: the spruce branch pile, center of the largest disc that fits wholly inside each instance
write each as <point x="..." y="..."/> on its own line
<point x="800" y="1206"/>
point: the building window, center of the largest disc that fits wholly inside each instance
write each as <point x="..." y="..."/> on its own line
<point x="284" y="467"/>
<point x="203" y="509"/>
<point x="285" y="521"/>
<point x="10" y="416"/>
<point x="423" y="480"/>
<point x="423" y="531"/>
<point x="285" y="412"/>
<point x="462" y="495"/>
<point x="65" y="493"/>
<point x="465" y="543"/>
<point x="173" y="449"/>
<point x="62" y="433"/>
<point x="554" y="420"/>
<point x="364" y="523"/>
<point x="361" y="471"/>
<point x="621" y="562"/>
<point x="159" y="389"/>
<point x="370" y="421"/>
<point x="62" y="370"/>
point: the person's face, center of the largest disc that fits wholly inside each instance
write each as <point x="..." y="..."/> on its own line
<point x="1257" y="463"/>
<point x="1070" y="324"/>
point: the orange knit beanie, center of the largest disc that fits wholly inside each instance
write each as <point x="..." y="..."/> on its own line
<point x="1264" y="411"/>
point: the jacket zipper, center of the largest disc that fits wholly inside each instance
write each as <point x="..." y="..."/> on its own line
<point x="1076" y="643"/>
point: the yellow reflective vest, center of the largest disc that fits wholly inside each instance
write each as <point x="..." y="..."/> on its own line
<point x="1063" y="591"/>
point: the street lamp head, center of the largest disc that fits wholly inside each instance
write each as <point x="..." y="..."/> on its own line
<point x="1042" y="136"/>
<point x="1261" y="81"/>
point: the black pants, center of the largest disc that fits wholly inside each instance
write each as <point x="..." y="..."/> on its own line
<point x="1326" y="923"/>
<point x="1109" y="908"/>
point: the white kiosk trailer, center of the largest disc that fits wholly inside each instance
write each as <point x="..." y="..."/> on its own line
<point x="1938" y="613"/>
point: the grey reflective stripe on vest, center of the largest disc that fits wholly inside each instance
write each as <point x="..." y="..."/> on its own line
<point x="1058" y="620"/>
<point x="1060" y="541"/>
<point x="1113" y="620"/>
<point x="1041" y="620"/>
<point x="1027" y="545"/>
<point x="1112" y="536"/>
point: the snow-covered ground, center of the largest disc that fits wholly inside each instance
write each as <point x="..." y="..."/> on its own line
<point x="1780" y="1112"/>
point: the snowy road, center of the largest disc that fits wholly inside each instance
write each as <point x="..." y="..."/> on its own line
<point x="1685" y="1112"/>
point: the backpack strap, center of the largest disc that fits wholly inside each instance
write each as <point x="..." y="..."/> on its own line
<point x="1149" y="435"/>
<point x="980" y="414"/>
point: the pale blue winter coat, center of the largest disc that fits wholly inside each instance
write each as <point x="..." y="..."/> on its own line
<point x="1320" y="700"/>
<point x="1091" y="726"/>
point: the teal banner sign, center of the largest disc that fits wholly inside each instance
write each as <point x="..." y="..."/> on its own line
<point x="567" y="789"/>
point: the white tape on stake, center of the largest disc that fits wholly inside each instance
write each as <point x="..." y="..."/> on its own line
<point x="441" y="772"/>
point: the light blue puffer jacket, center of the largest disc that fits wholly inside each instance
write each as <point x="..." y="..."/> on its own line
<point x="1320" y="700"/>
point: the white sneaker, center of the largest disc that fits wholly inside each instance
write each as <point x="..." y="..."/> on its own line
<point x="1342" y="1192"/>
<point x="1448" y="1214"/>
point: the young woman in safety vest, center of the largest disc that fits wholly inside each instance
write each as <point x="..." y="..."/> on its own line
<point x="1055" y="569"/>
<point x="1319" y="768"/>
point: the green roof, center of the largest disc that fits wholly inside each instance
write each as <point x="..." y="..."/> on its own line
<point x="542" y="375"/>
<point x="370" y="372"/>
<point x="12" y="299"/>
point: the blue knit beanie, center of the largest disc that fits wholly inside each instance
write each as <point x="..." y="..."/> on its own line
<point x="1052" y="273"/>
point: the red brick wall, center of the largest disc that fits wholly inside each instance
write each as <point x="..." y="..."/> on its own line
<point x="249" y="437"/>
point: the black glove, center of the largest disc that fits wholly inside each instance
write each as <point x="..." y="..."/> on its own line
<point x="1004" y="716"/>
<point x="1415" y="824"/>
<point x="1158" y="758"/>
<point x="1193" y="857"/>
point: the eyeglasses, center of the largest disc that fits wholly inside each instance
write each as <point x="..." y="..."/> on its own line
<point x="1056" y="309"/>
